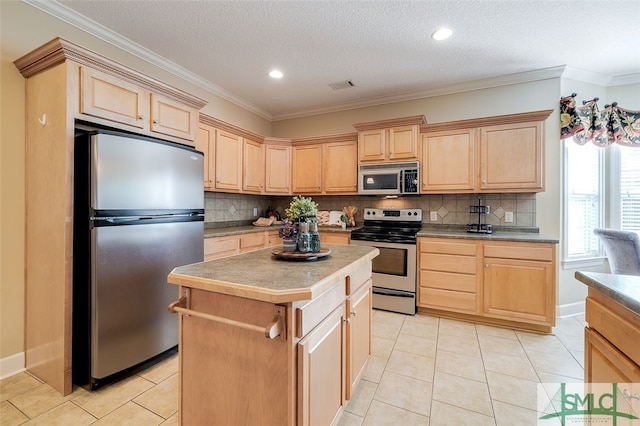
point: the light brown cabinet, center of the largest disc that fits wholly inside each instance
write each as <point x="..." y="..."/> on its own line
<point x="277" y="167"/>
<point x="340" y="168"/>
<point x="218" y="247"/>
<point x="306" y="171"/>
<point x="335" y="237"/>
<point x="493" y="154"/>
<point x="206" y="143"/>
<point x="321" y="391"/>
<point x="519" y="282"/>
<point x="448" y="161"/>
<point x="389" y="140"/>
<point x="612" y="354"/>
<point x="500" y="282"/>
<point x="448" y="274"/>
<point x="358" y="306"/>
<point x="228" y="155"/>
<point x="105" y="96"/>
<point x="252" y="167"/>
<point x="67" y="83"/>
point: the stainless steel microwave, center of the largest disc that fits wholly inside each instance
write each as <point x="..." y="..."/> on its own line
<point x="389" y="178"/>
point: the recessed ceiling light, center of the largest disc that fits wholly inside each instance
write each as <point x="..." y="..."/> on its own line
<point x="442" y="34"/>
<point x="275" y="74"/>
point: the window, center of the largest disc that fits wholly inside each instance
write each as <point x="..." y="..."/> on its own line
<point x="583" y="199"/>
<point x="625" y="185"/>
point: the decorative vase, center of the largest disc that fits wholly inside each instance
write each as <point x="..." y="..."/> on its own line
<point x="289" y="244"/>
<point x="344" y="225"/>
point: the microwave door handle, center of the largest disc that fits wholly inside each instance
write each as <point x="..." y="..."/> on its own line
<point x="401" y="183"/>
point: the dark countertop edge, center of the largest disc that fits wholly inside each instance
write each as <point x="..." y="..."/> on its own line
<point x="623" y="289"/>
<point x="527" y="237"/>
<point x="249" y="229"/>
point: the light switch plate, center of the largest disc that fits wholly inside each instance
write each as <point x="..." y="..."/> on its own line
<point x="508" y="217"/>
<point x="433" y="216"/>
<point x="255" y="211"/>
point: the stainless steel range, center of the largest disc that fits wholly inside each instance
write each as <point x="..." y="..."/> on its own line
<point x="393" y="232"/>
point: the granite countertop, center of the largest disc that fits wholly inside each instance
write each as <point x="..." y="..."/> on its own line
<point x="260" y="276"/>
<point x="249" y="229"/>
<point x="623" y="289"/>
<point x="528" y="237"/>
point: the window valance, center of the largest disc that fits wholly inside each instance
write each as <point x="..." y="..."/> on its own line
<point x="587" y="123"/>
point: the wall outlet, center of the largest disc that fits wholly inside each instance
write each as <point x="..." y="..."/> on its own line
<point x="433" y="216"/>
<point x="508" y="217"/>
<point x="255" y="211"/>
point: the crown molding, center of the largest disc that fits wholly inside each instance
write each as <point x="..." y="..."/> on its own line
<point x="62" y="12"/>
<point x="497" y="120"/>
<point x="223" y="125"/>
<point x="487" y="83"/>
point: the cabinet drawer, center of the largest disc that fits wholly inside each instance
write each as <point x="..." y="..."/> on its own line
<point x="334" y="238"/>
<point x="357" y="278"/>
<point x="448" y="263"/>
<point x="618" y="330"/>
<point x="273" y="239"/>
<point x="250" y="242"/>
<point x="215" y="248"/>
<point x="445" y="299"/>
<point x="514" y="251"/>
<point x="441" y="247"/>
<point x="310" y="314"/>
<point x="448" y="281"/>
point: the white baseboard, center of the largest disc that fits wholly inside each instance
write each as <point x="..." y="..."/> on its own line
<point x="11" y="365"/>
<point x="570" y="310"/>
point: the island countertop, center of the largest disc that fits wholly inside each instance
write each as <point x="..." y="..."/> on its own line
<point x="260" y="276"/>
<point x="624" y="289"/>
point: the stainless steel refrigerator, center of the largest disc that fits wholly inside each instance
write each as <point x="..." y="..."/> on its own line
<point x="138" y="213"/>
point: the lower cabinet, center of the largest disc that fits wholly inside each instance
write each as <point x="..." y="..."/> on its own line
<point x="335" y="237"/>
<point x="231" y="376"/>
<point x="321" y="380"/>
<point x="218" y="247"/>
<point x="501" y="282"/>
<point x="604" y="363"/>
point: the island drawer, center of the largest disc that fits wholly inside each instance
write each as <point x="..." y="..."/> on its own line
<point x="358" y="278"/>
<point x="312" y="313"/>
<point x="612" y="324"/>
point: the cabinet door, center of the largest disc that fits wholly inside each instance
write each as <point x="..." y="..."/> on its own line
<point x="307" y="169"/>
<point x="206" y="143"/>
<point x="603" y="363"/>
<point x="403" y="143"/>
<point x="228" y="161"/>
<point x="253" y="241"/>
<point x="448" y="161"/>
<point x="372" y="145"/>
<point x="277" y="173"/>
<point x="511" y="157"/>
<point x="172" y="118"/>
<point x="340" y="167"/>
<point x="252" y="167"/>
<point x="358" y="335"/>
<point x="519" y="290"/>
<point x="105" y="96"/>
<point x="321" y="383"/>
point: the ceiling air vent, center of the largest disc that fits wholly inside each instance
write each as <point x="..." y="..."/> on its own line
<point x="342" y="85"/>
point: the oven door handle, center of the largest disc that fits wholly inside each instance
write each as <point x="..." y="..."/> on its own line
<point x="395" y="293"/>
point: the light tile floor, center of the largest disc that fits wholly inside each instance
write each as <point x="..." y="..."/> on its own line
<point x="424" y="370"/>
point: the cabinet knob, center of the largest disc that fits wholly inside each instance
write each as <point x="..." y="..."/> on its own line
<point x="486" y="265"/>
<point x="141" y="117"/>
<point x="347" y="320"/>
<point x="155" y="121"/>
<point x="354" y="313"/>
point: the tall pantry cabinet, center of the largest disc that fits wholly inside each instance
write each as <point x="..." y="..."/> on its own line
<point x="65" y="84"/>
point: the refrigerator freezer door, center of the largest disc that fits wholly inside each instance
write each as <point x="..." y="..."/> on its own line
<point x="130" y="173"/>
<point x="130" y="321"/>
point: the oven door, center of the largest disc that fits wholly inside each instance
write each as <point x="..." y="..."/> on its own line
<point x="394" y="276"/>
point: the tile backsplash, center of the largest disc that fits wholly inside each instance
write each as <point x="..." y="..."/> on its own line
<point x="452" y="209"/>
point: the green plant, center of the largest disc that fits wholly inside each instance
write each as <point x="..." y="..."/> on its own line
<point x="344" y="218"/>
<point x="302" y="206"/>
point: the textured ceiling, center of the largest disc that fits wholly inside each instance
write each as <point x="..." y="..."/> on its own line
<point x="384" y="47"/>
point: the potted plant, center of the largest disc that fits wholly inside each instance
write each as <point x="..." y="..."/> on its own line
<point x="289" y="234"/>
<point x="302" y="209"/>
<point x="344" y="219"/>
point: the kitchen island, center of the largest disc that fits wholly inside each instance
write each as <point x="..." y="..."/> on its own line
<point x="266" y="341"/>
<point x="612" y="352"/>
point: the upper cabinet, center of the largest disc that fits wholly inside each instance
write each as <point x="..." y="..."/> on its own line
<point x="277" y="166"/>
<point x="389" y="140"/>
<point x="495" y="154"/>
<point x="325" y="165"/>
<point x="111" y="98"/>
<point x="234" y="159"/>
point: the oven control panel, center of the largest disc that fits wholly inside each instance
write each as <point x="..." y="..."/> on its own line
<point x="405" y="215"/>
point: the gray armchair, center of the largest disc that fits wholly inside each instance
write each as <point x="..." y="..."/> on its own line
<point x="623" y="250"/>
